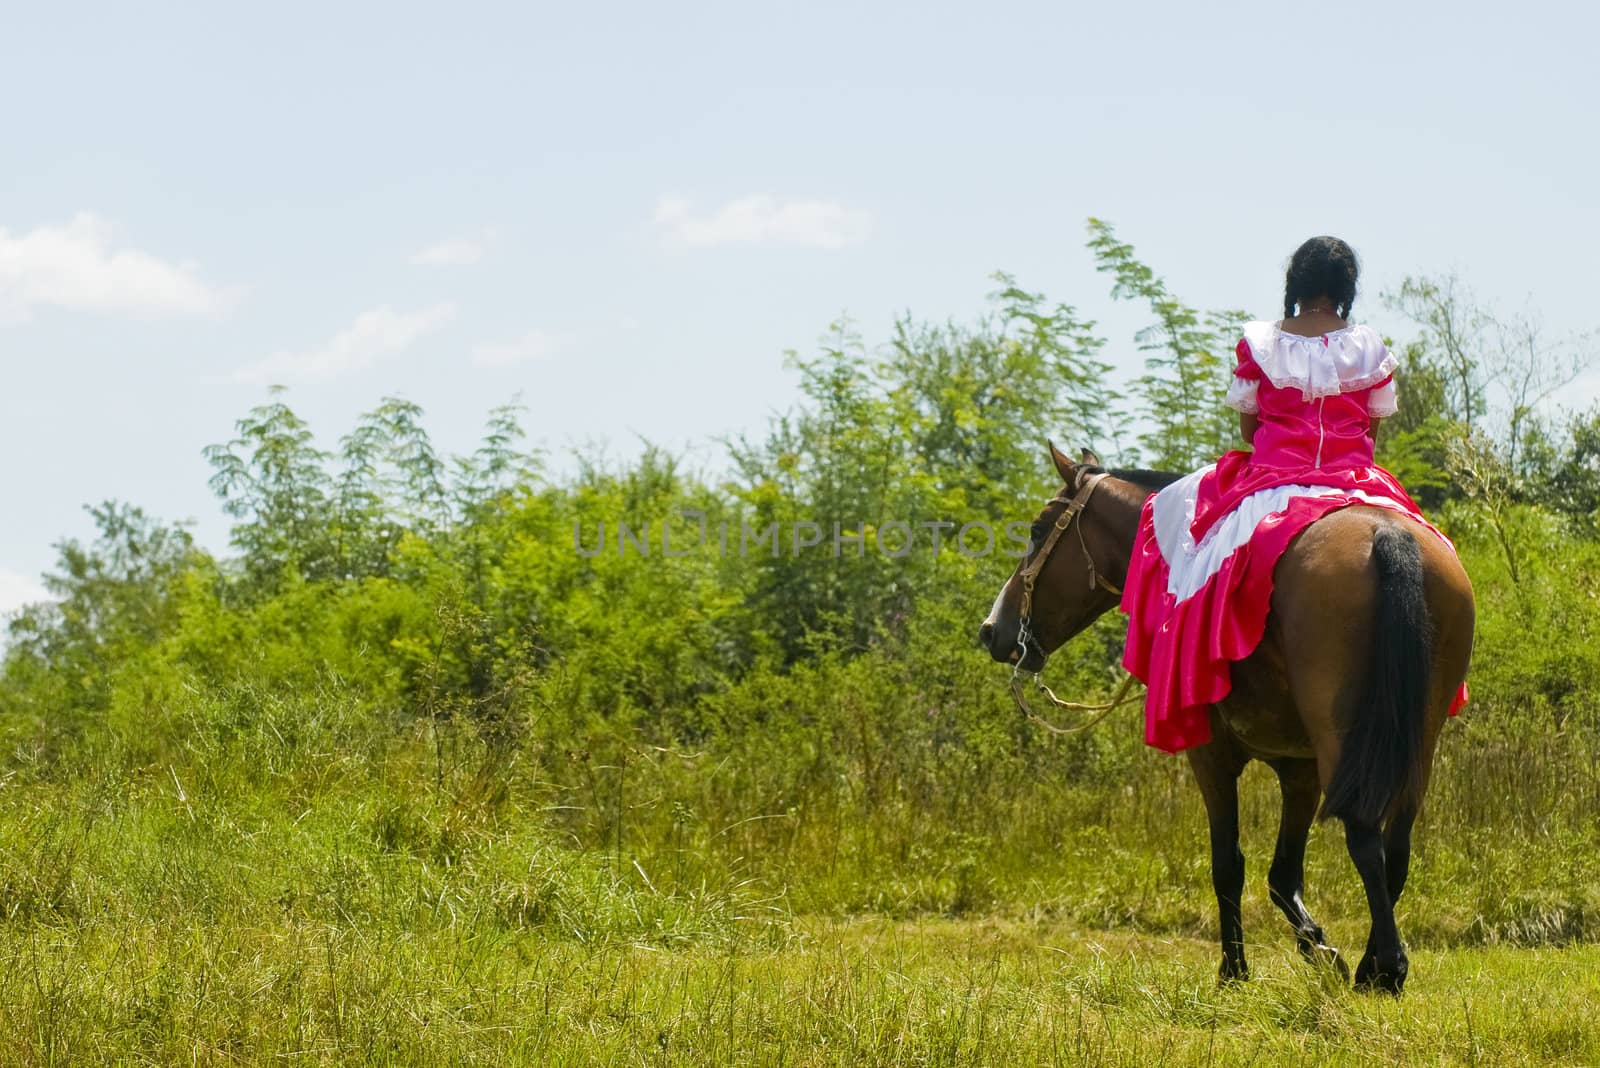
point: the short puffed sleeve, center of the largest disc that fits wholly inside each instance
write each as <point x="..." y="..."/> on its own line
<point x="1241" y="395"/>
<point x="1382" y="402"/>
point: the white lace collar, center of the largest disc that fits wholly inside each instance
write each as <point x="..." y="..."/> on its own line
<point x="1339" y="362"/>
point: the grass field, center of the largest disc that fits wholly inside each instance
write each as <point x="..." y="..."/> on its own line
<point x="870" y="991"/>
<point x="300" y="885"/>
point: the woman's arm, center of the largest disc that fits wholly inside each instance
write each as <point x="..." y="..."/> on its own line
<point x="1241" y="395"/>
<point x="1248" y="421"/>
<point x="1382" y="402"/>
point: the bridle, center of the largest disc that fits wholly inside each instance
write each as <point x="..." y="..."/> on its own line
<point x="1071" y="508"/>
<point x="1082" y="489"/>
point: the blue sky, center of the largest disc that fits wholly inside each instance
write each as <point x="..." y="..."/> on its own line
<point x="626" y="214"/>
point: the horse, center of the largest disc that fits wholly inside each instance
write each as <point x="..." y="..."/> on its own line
<point x="1368" y="637"/>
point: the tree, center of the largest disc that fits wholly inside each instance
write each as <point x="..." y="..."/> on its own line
<point x="115" y="598"/>
<point x="271" y="478"/>
<point x="417" y="489"/>
<point x="1564" y="464"/>
<point x="1056" y="348"/>
<point x="364" y="535"/>
<point x="1530" y="369"/>
<point x="842" y="458"/>
<point x="1187" y="364"/>
<point x="1415" y="443"/>
<point x="1475" y="389"/>
<point x="1452" y="338"/>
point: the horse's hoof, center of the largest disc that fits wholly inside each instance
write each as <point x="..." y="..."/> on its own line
<point x="1322" y="955"/>
<point x="1232" y="972"/>
<point x="1370" y="978"/>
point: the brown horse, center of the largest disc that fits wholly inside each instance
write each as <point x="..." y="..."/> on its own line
<point x="1368" y="638"/>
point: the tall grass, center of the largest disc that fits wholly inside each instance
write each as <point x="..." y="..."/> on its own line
<point x="862" y="855"/>
<point x="863" y="795"/>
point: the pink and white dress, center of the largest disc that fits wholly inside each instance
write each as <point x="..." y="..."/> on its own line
<point x="1200" y="582"/>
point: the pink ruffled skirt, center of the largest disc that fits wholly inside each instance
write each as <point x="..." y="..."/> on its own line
<point x="1200" y="582"/>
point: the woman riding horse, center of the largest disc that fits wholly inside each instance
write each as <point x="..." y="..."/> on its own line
<point x="1288" y="604"/>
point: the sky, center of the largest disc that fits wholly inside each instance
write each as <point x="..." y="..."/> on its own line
<point x="626" y="214"/>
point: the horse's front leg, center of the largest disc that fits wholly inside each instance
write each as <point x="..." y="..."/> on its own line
<point x="1217" y="765"/>
<point x="1301" y="789"/>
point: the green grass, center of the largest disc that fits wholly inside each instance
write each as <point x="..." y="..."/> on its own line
<point x="853" y="992"/>
<point x="278" y="879"/>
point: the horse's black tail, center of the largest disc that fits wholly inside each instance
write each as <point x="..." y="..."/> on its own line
<point x="1381" y="757"/>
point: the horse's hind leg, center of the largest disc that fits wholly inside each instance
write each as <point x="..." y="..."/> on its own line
<point x="1397" y="850"/>
<point x="1397" y="831"/>
<point x="1384" y="964"/>
<point x="1217" y="765"/>
<point x="1297" y="779"/>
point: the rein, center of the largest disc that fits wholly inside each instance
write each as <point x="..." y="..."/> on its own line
<point x="1072" y="508"/>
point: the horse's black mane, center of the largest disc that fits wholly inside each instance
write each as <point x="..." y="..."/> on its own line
<point x="1139" y="476"/>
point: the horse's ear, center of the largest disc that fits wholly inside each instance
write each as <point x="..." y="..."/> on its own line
<point x="1064" y="466"/>
<point x="1087" y="456"/>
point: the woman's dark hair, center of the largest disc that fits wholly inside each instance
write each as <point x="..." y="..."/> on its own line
<point x="1322" y="267"/>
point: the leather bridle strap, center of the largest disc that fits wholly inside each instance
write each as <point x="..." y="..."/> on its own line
<point x="1072" y="507"/>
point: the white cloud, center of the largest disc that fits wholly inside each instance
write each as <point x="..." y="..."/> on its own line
<point x="764" y="219"/>
<point x="456" y="252"/>
<point x="534" y="345"/>
<point x="77" y="266"/>
<point x="18" y="590"/>
<point x="374" y="334"/>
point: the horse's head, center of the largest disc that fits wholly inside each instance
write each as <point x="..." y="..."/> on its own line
<point x="1077" y="560"/>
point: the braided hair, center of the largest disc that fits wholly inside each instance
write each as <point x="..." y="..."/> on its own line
<point x="1322" y="267"/>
